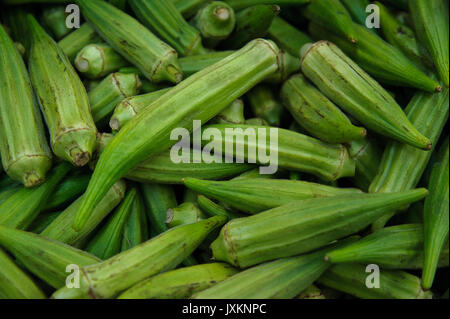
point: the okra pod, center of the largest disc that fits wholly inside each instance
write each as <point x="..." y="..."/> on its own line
<point x="256" y="121"/>
<point x="188" y="8"/>
<point x="54" y="19"/>
<point x="68" y="190"/>
<point x="254" y="195"/>
<point x="430" y="19"/>
<point x="393" y="284"/>
<point x="184" y="214"/>
<point x="213" y="209"/>
<point x="135" y="229"/>
<point x="370" y="54"/>
<point x="402" y="166"/>
<point x="251" y="23"/>
<point x="318" y="115"/>
<point x="42" y="222"/>
<point x="284" y="278"/>
<point x="108" y="240"/>
<point x="156" y="60"/>
<point x="19" y="210"/>
<point x="436" y="216"/>
<point x="295" y="151"/>
<point x="242" y="4"/>
<point x="160" y="254"/>
<point x="72" y="43"/>
<point x="61" y="228"/>
<point x="234" y="114"/>
<point x="333" y="73"/>
<point x="357" y="10"/>
<point x="163" y="18"/>
<point x="45" y="258"/>
<point x="287" y="36"/>
<point x="7" y="193"/>
<point x="215" y="21"/>
<point x="180" y="283"/>
<point x="149" y="133"/>
<point x="14" y="283"/>
<point x="264" y="105"/>
<point x="396" y="247"/>
<point x="25" y="154"/>
<point x="97" y="60"/>
<point x="62" y="97"/>
<point x="110" y="91"/>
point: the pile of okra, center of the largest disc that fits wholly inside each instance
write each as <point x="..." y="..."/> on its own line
<point x="120" y="177"/>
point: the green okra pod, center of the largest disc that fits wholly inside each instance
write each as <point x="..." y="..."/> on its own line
<point x="287" y="36"/>
<point x="69" y="189"/>
<point x="264" y="105"/>
<point x="436" y="215"/>
<point x="402" y="166"/>
<point x="163" y="18"/>
<point x="15" y="19"/>
<point x="180" y="283"/>
<point x="393" y="284"/>
<point x="42" y="222"/>
<point x="396" y="247"/>
<point x="316" y="114"/>
<point x="149" y="133"/>
<point x="213" y="209"/>
<point x="110" y="91"/>
<point x="61" y="228"/>
<point x="75" y="41"/>
<point x="372" y="52"/>
<point x="195" y="63"/>
<point x="7" y="193"/>
<point x="184" y="214"/>
<point x="97" y="60"/>
<point x="189" y="8"/>
<point x="121" y="4"/>
<point x="62" y="97"/>
<point x="25" y="154"/>
<point x="334" y="73"/>
<point x="242" y="4"/>
<point x="357" y="10"/>
<point x="45" y="258"/>
<point x="251" y="23"/>
<point x="234" y="114"/>
<point x="15" y="283"/>
<point x="333" y="15"/>
<point x="54" y="19"/>
<point x="284" y="278"/>
<point x="160" y="254"/>
<point x="215" y="21"/>
<point x="293" y="151"/>
<point x="430" y="19"/>
<point x="107" y="240"/>
<point x="19" y="210"/>
<point x="403" y="38"/>
<point x="135" y="229"/>
<point x="256" y="121"/>
<point x="254" y="195"/>
<point x="156" y="60"/>
<point x="300" y="227"/>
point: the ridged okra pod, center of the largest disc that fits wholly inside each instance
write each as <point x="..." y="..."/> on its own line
<point x="371" y="53"/>
<point x="25" y="154"/>
<point x="15" y="21"/>
<point x="436" y="215"/>
<point x="107" y="240"/>
<point x="251" y="23"/>
<point x="396" y="247"/>
<point x="402" y="166"/>
<point x="158" y="199"/>
<point x="61" y="228"/>
<point x="75" y="41"/>
<point x="316" y="113"/>
<point x="393" y="284"/>
<point x="280" y="279"/>
<point x="189" y="8"/>
<point x="242" y="4"/>
<point x="62" y="97"/>
<point x="334" y="73"/>
<point x="163" y="18"/>
<point x="160" y="254"/>
<point x="110" y="91"/>
<point x="186" y="213"/>
<point x="193" y="64"/>
<point x="54" y="19"/>
<point x="430" y="19"/>
<point x="357" y="10"/>
<point x="212" y="209"/>
<point x="215" y="21"/>
<point x="265" y="105"/>
<point x="254" y="195"/>
<point x="300" y="227"/>
<point x="233" y="114"/>
<point x="42" y="221"/>
<point x="135" y="229"/>
<point x="45" y="258"/>
<point x="293" y="151"/>
<point x="15" y="283"/>
<point x="367" y="155"/>
<point x="149" y="133"/>
<point x="69" y="189"/>
<point x="287" y="36"/>
<point x="97" y="60"/>
<point x="403" y="38"/>
<point x="180" y="283"/>
<point x="19" y="210"/>
<point x="7" y="193"/>
<point x="156" y="60"/>
<point x="333" y="15"/>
